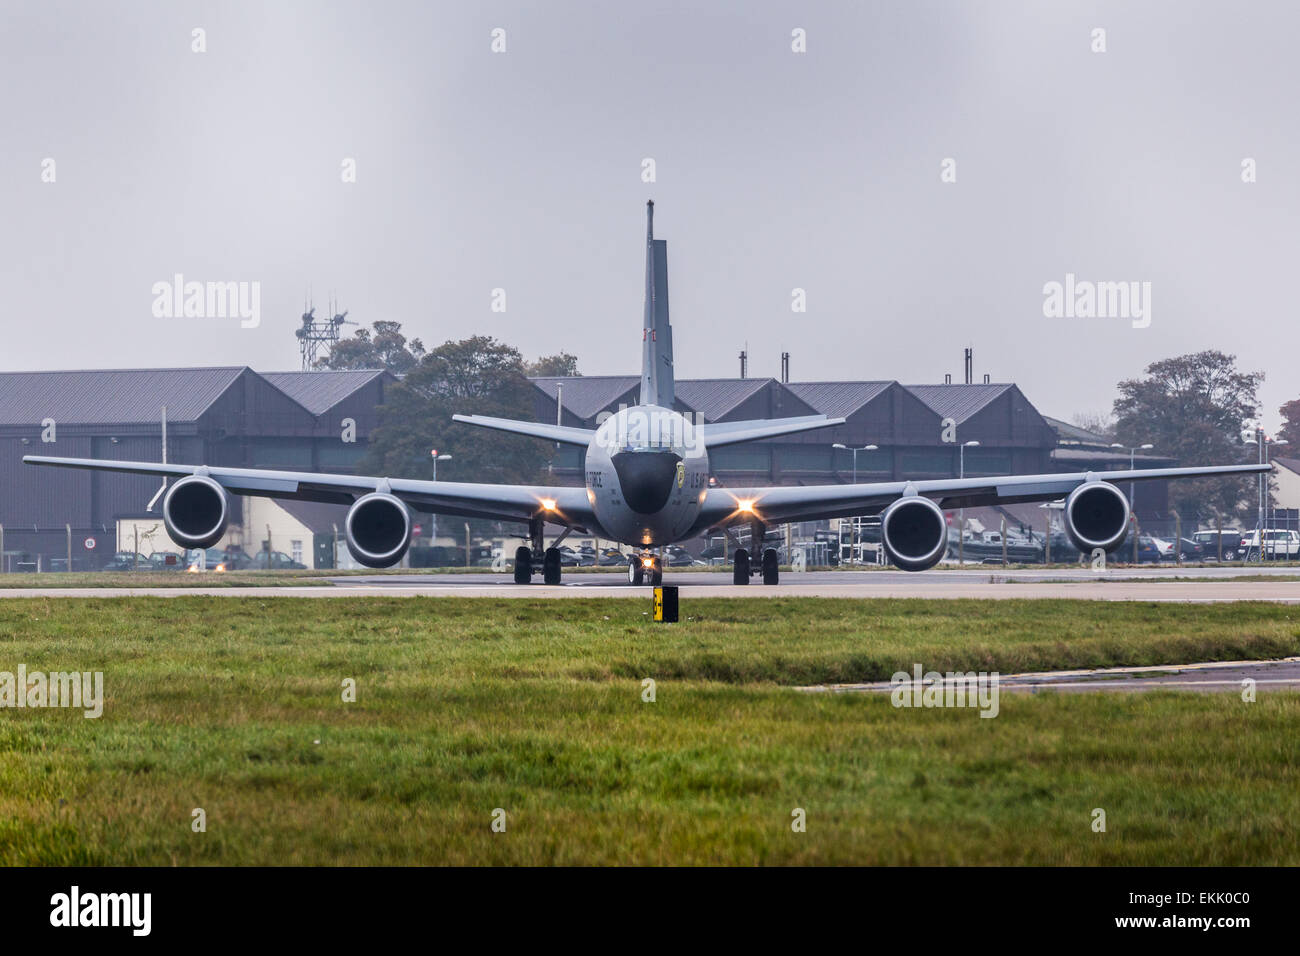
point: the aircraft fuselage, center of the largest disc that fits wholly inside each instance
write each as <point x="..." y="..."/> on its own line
<point x="647" y="474"/>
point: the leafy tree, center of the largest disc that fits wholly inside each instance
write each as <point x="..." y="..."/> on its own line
<point x="562" y="365"/>
<point x="386" y="348"/>
<point x="1290" y="430"/>
<point x="1193" y="407"/>
<point x="1100" y="423"/>
<point x="475" y="376"/>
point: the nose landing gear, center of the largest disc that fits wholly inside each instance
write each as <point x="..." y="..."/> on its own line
<point x="643" y="566"/>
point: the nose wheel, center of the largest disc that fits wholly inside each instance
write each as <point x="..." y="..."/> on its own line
<point x="638" y="573"/>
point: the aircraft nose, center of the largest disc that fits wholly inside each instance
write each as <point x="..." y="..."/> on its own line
<point x="646" y="478"/>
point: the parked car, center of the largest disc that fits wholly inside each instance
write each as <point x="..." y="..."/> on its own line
<point x="1186" y="550"/>
<point x="166" y="561"/>
<point x="275" y="561"/>
<point x="125" y="561"/>
<point x="1209" y="542"/>
<point x="217" y="559"/>
<point x="1150" y="550"/>
<point x="1280" y="544"/>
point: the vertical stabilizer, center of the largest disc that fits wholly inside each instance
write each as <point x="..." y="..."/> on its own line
<point x="657" y="334"/>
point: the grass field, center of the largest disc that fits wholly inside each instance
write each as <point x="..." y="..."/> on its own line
<point x="468" y="705"/>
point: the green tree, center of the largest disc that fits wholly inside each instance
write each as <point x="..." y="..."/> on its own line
<point x="561" y="365"/>
<point x="475" y="376"/>
<point x="1194" y="407"/>
<point x="1290" y="430"/>
<point x="385" y="348"/>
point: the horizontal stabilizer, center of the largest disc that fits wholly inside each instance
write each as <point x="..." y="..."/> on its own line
<point x="717" y="434"/>
<point x="561" y="433"/>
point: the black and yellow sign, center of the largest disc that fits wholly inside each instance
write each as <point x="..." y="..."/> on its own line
<point x="666" y="604"/>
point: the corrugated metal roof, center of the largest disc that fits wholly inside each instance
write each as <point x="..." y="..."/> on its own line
<point x="1067" y="432"/>
<point x="837" y="399"/>
<point x="321" y="390"/>
<point x="585" y="395"/>
<point x="958" y="402"/>
<point x="112" y="396"/>
<point x="715" y="397"/>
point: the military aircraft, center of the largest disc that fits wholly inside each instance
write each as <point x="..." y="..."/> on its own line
<point x="646" y="485"/>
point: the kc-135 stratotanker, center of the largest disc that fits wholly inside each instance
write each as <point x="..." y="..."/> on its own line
<point x="646" y="485"/>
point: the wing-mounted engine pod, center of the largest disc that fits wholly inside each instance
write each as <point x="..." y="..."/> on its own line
<point x="914" y="532"/>
<point x="195" y="512"/>
<point x="1096" y="516"/>
<point x="378" y="530"/>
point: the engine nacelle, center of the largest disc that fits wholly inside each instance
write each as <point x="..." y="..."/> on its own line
<point x="378" y="529"/>
<point x="914" y="532"/>
<point x="195" y="512"/>
<point x="1096" y="516"/>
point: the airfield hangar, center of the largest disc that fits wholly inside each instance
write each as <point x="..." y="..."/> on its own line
<point x="222" y="416"/>
<point x="238" y="417"/>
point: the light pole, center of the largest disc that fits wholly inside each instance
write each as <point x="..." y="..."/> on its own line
<point x="1132" y="459"/>
<point x="961" y="514"/>
<point x="1263" y="441"/>
<point x="433" y="453"/>
<point x="855" y="455"/>
<point x="853" y="539"/>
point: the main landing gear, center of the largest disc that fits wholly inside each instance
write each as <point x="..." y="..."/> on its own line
<point x="769" y="566"/>
<point x="643" y="566"/>
<point x="529" y="558"/>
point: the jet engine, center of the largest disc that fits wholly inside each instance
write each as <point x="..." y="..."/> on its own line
<point x="195" y="512"/>
<point x="378" y="528"/>
<point x="1096" y="516"/>
<point x="914" y="532"/>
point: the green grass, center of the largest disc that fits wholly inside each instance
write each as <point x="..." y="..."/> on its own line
<point x="466" y="705"/>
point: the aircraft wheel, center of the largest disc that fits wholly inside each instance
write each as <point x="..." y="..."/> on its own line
<point x="635" y="573"/>
<point x="771" y="569"/>
<point x="551" y="566"/>
<point x="740" y="571"/>
<point x="657" y="572"/>
<point x="523" y="565"/>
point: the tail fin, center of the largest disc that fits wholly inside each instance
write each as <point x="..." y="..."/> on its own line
<point x="657" y="335"/>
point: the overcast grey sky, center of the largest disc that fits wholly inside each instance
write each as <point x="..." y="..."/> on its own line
<point x="775" y="170"/>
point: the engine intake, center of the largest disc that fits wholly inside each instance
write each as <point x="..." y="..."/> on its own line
<point x="195" y="512"/>
<point x="1096" y="516"/>
<point x="915" y="533"/>
<point x="378" y="528"/>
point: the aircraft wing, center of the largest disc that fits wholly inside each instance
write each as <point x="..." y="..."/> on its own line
<point x="717" y="434"/>
<point x="558" y="505"/>
<point x="775" y="505"/>
<point x="561" y="433"/>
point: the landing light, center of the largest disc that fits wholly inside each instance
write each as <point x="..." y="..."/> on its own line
<point x="746" y="506"/>
<point x="647" y="562"/>
<point x="548" y="504"/>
